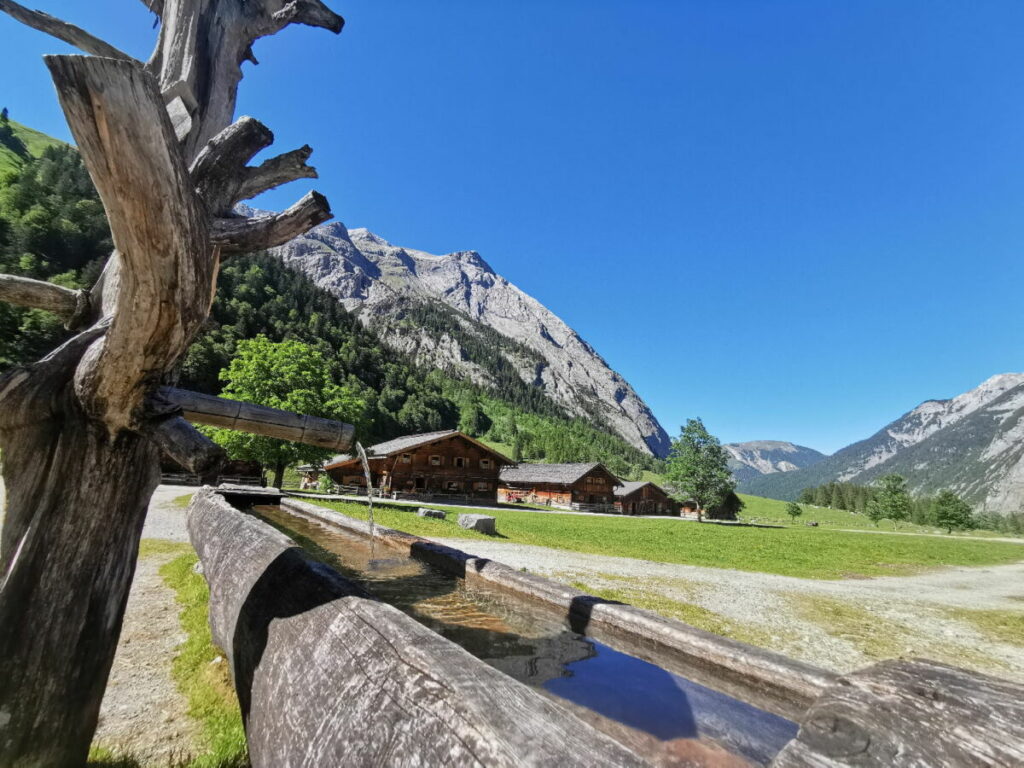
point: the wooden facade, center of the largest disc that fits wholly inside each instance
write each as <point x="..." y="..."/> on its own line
<point x="568" y="486"/>
<point x="644" y="498"/>
<point x="447" y="463"/>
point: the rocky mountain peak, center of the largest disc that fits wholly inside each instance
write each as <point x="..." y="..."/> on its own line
<point x="382" y="282"/>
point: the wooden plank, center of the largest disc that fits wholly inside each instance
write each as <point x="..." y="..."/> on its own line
<point x="911" y="714"/>
<point x="328" y="676"/>
<point x="260" y="420"/>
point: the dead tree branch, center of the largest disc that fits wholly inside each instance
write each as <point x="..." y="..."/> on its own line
<point x="62" y="30"/>
<point x="66" y="303"/>
<point x="242" y="235"/>
<point x="167" y="267"/>
<point x="276" y="171"/>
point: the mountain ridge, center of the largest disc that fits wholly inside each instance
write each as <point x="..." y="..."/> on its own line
<point x="383" y="283"/>
<point x="754" y="458"/>
<point x="972" y="443"/>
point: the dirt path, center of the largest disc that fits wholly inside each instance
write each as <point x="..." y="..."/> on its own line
<point x="143" y="712"/>
<point x="841" y="625"/>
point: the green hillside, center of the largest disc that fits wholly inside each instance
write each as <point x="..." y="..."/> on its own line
<point x="19" y="142"/>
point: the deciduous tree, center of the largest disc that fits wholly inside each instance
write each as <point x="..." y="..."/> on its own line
<point x="290" y="376"/>
<point x="952" y="513"/>
<point x="891" y="500"/>
<point x="698" y="469"/>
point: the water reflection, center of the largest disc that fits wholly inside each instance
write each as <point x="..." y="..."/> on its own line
<point x="668" y="718"/>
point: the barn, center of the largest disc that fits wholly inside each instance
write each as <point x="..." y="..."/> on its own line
<point x="445" y="463"/>
<point x="643" y="497"/>
<point x="588" y="487"/>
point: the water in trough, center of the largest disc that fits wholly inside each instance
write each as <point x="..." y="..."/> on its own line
<point x="669" y="719"/>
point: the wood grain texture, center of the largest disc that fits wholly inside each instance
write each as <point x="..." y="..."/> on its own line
<point x="769" y="680"/>
<point x="911" y="714"/>
<point x="240" y="235"/>
<point x="39" y="294"/>
<point x="327" y="676"/>
<point x="167" y="265"/>
<point x="260" y="420"/>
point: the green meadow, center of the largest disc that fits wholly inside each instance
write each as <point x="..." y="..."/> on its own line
<point x="818" y="553"/>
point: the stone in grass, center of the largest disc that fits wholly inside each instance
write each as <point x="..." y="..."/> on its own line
<point x="435" y="513"/>
<point x="481" y="523"/>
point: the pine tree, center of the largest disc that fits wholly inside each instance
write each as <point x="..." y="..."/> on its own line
<point x="891" y="500"/>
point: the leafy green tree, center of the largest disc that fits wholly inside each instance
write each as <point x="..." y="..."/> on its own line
<point x="952" y="513"/>
<point x="794" y="510"/>
<point x="891" y="500"/>
<point x="291" y="376"/>
<point x="698" y="468"/>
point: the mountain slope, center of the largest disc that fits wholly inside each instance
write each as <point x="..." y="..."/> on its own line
<point x="764" y="457"/>
<point x="454" y="312"/>
<point x="19" y="142"/>
<point x="972" y="444"/>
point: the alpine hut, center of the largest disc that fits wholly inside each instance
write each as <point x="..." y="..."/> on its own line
<point x="587" y="487"/>
<point x="446" y="463"/>
<point x="643" y="497"/>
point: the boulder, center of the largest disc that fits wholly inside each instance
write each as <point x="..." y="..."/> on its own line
<point x="481" y="523"/>
<point x="435" y="513"/>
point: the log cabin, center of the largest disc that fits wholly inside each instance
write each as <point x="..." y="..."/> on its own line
<point x="445" y="463"/>
<point x="588" y="487"/>
<point x="643" y="497"/>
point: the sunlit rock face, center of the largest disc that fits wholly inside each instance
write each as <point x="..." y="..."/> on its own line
<point x="972" y="444"/>
<point x="479" y="324"/>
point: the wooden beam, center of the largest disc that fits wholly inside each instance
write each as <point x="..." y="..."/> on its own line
<point x="260" y="420"/>
<point x="186" y="445"/>
<point x="69" y="33"/>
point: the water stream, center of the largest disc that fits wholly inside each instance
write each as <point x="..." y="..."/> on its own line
<point x="669" y="719"/>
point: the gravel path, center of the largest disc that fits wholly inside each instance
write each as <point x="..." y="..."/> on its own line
<point x="786" y="612"/>
<point x="143" y="712"/>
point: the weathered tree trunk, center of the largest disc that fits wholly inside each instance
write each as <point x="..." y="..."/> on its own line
<point x="278" y="474"/>
<point x="81" y="431"/>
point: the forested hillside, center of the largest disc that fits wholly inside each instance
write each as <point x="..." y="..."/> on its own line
<point x="52" y="227"/>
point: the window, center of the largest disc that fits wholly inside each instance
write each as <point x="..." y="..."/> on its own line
<point x="485" y="463"/>
<point x="405" y="458"/>
<point x="481" y="486"/>
<point x="453" y="485"/>
<point x="436" y="461"/>
<point x="459" y="461"/>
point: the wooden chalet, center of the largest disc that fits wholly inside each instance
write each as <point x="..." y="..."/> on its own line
<point x="445" y="463"/>
<point x="643" y="497"/>
<point x="588" y="487"/>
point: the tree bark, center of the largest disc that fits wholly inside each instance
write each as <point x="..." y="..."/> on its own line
<point x="278" y="474"/>
<point x="68" y="551"/>
<point x="80" y="431"/>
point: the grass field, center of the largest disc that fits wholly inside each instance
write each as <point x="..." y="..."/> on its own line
<point x="794" y="551"/>
<point x="762" y="510"/>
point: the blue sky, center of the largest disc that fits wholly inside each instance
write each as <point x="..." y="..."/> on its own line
<point x="796" y="220"/>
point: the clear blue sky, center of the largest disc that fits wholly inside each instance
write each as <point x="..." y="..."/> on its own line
<point x="794" y="219"/>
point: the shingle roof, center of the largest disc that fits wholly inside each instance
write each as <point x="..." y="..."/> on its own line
<point x="628" y="486"/>
<point x="406" y="442"/>
<point x="547" y="473"/>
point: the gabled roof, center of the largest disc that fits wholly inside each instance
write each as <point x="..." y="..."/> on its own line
<point x="632" y="486"/>
<point x="563" y="474"/>
<point x="409" y="442"/>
